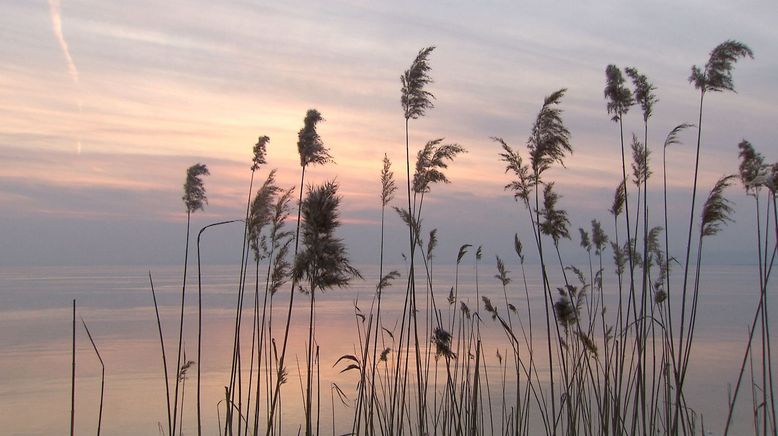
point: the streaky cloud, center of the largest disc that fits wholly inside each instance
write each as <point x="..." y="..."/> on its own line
<point x="56" y="22"/>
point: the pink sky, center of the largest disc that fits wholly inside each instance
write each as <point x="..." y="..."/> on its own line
<point x="120" y="98"/>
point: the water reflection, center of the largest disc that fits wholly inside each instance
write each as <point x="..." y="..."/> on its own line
<point x="117" y="305"/>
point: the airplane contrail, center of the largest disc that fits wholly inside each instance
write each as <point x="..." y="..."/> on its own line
<point x="56" y="21"/>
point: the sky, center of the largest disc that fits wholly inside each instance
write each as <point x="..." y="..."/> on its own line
<point x="103" y="106"/>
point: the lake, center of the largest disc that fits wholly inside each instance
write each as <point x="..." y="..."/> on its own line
<point x="116" y="303"/>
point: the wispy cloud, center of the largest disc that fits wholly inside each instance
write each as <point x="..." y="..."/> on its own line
<point x="56" y="22"/>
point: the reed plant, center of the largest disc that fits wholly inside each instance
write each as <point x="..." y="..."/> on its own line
<point x="312" y="151"/>
<point x="194" y="199"/>
<point x="609" y="358"/>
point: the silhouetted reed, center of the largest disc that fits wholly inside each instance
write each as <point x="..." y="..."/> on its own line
<point x="600" y="371"/>
<point x="194" y="199"/>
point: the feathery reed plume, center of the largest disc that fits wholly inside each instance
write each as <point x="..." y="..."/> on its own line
<point x="387" y="279"/>
<point x="432" y="243"/>
<point x="429" y="162"/>
<point x="518" y="247"/>
<point x="771" y="181"/>
<point x="716" y="76"/>
<point x="578" y="274"/>
<point x="465" y="309"/>
<point x="618" y="101"/>
<point x="644" y="91"/>
<point x="260" y="149"/>
<point x="618" y="199"/>
<point x="323" y="261"/>
<point x="182" y="378"/>
<point x="261" y="214"/>
<point x="182" y="374"/>
<point x="309" y="144"/>
<point x="388" y="186"/>
<point x="586" y="243"/>
<point x="568" y="306"/>
<point x="587" y="342"/>
<point x="644" y="96"/>
<point x="522" y="185"/>
<point x="550" y="139"/>
<point x="194" y="199"/>
<point x="312" y="151"/>
<point x="281" y="266"/>
<point x="462" y="252"/>
<point x="412" y="223"/>
<point x="194" y="189"/>
<point x="489" y="307"/>
<point x="660" y="295"/>
<point x="751" y="168"/>
<point x="555" y="221"/>
<point x="599" y="238"/>
<point x="640" y="169"/>
<point x="619" y="97"/>
<point x="717" y="210"/>
<point x="619" y="258"/>
<point x="672" y="137"/>
<point x="632" y="252"/>
<point x="415" y="99"/>
<point x="388" y="189"/>
<point x="653" y="239"/>
<point x="502" y="272"/>
<point x="442" y="341"/>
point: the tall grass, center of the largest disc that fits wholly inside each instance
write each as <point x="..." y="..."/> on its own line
<point x="194" y="199"/>
<point x="589" y="364"/>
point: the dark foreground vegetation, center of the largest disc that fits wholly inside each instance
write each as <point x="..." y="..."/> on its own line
<point x="619" y="371"/>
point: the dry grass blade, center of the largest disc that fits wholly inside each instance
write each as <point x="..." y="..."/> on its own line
<point x="102" y="376"/>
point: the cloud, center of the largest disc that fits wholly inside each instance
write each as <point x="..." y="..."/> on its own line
<point x="56" y="22"/>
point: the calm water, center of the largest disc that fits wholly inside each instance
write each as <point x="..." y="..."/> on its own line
<point x="116" y="303"/>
